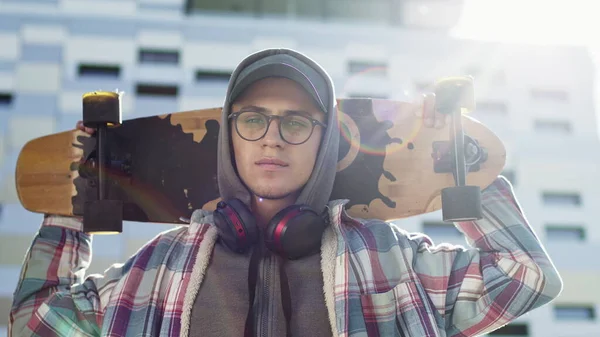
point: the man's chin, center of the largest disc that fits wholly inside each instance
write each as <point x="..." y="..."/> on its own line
<point x="267" y="193"/>
<point x="272" y="195"/>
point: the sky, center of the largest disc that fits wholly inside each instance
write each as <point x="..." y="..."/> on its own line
<point x="573" y="22"/>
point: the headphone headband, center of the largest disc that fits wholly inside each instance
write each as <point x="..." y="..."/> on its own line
<point x="292" y="233"/>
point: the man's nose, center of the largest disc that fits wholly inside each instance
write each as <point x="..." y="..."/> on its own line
<point x="272" y="137"/>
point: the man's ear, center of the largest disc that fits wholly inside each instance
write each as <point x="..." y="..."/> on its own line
<point x="232" y="150"/>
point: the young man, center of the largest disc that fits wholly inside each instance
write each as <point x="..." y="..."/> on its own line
<point x="261" y="265"/>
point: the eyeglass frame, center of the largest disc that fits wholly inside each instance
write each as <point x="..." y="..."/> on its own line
<point x="234" y="115"/>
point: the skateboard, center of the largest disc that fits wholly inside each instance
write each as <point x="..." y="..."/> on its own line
<point x="161" y="168"/>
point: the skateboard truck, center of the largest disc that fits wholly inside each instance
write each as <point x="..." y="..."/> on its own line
<point x="101" y="110"/>
<point x="443" y="156"/>
<point x="460" y="202"/>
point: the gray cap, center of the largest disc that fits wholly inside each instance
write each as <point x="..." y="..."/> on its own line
<point x="284" y="65"/>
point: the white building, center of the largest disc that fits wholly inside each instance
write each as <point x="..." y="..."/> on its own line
<point x="539" y="100"/>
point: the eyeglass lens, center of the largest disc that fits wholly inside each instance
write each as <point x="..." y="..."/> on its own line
<point x="294" y="128"/>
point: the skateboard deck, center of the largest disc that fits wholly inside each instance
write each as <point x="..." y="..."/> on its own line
<point x="164" y="167"/>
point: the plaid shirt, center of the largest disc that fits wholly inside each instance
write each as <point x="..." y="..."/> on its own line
<point x="379" y="279"/>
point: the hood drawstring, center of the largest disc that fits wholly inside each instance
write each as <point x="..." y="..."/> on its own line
<point x="286" y="298"/>
<point x="252" y="276"/>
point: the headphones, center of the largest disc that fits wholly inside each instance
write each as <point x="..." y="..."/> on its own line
<point x="293" y="232"/>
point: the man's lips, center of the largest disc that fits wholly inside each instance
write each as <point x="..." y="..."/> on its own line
<point x="271" y="162"/>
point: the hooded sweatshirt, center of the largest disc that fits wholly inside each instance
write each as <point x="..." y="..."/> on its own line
<point x="260" y="293"/>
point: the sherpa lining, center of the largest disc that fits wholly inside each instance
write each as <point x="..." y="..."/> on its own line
<point x="200" y="265"/>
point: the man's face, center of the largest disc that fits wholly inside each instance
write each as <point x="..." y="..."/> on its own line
<point x="277" y="96"/>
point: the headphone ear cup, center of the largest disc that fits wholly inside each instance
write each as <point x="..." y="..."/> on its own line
<point x="236" y="225"/>
<point x="295" y="231"/>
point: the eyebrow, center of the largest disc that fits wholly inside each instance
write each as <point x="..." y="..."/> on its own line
<point x="265" y="110"/>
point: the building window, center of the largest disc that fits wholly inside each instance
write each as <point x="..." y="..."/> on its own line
<point x="550" y="95"/>
<point x="552" y="127"/>
<point x="511" y="329"/>
<point x="213" y="75"/>
<point x="574" y="313"/>
<point x="224" y="6"/>
<point x="380" y="11"/>
<point x="367" y="68"/>
<point x="159" y="56"/>
<point x="273" y="7"/>
<point x="389" y="11"/>
<point x="5" y="98"/>
<point x="99" y="70"/>
<point x="447" y="230"/>
<point x="156" y="90"/>
<point x="558" y="233"/>
<point x="561" y="199"/>
<point x="315" y="9"/>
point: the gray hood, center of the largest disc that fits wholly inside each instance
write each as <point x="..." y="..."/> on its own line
<point x="318" y="189"/>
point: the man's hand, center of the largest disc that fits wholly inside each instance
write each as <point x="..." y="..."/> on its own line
<point x="79" y="126"/>
<point x="426" y="109"/>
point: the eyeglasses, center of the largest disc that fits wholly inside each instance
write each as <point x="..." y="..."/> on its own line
<point x="294" y="129"/>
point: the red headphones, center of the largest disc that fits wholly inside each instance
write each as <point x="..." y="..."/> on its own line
<point x="294" y="232"/>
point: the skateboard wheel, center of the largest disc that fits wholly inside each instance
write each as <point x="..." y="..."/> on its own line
<point x="103" y="217"/>
<point x="454" y="92"/>
<point x="101" y="108"/>
<point x="461" y="203"/>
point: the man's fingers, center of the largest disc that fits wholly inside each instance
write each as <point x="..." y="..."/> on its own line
<point x="429" y="115"/>
<point x="441" y="120"/>
<point x="81" y="127"/>
<point x="418" y="105"/>
<point x="447" y="119"/>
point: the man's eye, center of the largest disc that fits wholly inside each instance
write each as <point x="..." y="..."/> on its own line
<point x="297" y="123"/>
<point x="253" y="119"/>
